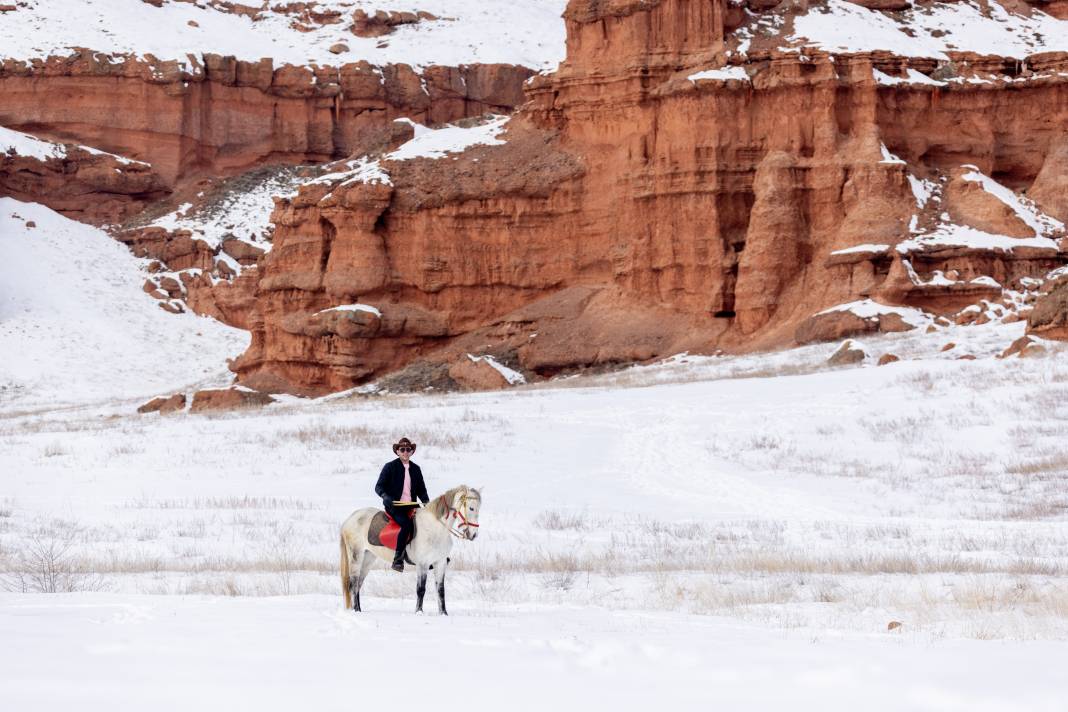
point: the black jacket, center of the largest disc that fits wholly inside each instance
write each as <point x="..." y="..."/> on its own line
<point x="391" y="481"/>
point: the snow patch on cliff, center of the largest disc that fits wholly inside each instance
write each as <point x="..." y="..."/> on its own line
<point x="438" y="143"/>
<point x="721" y="75"/>
<point x="426" y="143"/>
<point x="513" y="377"/>
<point x="952" y="235"/>
<point x="243" y="212"/>
<point x="1025" y="209"/>
<point x="23" y="144"/>
<point x="872" y="249"/>
<point x="353" y="308"/>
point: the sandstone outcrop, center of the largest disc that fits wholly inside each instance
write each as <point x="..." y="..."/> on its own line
<point x="164" y="404"/>
<point x="218" y="115"/>
<point x="664" y="190"/>
<point x="1024" y="347"/>
<point x="228" y="399"/>
<point x="848" y="354"/>
<point x="658" y="213"/>
<point x="84" y="185"/>
<point x="477" y="374"/>
<point x="1049" y="318"/>
<point x="834" y="325"/>
<point x="383" y="22"/>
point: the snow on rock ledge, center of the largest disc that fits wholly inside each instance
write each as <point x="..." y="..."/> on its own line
<point x="483" y="373"/>
<point x="860" y="317"/>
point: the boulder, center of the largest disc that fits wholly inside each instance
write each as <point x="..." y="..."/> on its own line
<point x="849" y="353"/>
<point x="172" y="307"/>
<point x="383" y="22"/>
<point x="477" y="374"/>
<point x="968" y="203"/>
<point x="152" y="406"/>
<point x="1050" y="189"/>
<point x="173" y="404"/>
<point x="245" y="253"/>
<point x="1049" y="318"/>
<point x="228" y="399"/>
<point x="1023" y="347"/>
<point x="834" y="325"/>
<point x="888" y="358"/>
<point x="164" y="404"/>
<point x="171" y="286"/>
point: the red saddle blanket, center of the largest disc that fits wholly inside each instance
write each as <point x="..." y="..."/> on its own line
<point x="384" y="531"/>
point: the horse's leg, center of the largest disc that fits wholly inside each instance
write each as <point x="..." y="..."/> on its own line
<point x="439" y="576"/>
<point x="363" y="564"/>
<point x="420" y="586"/>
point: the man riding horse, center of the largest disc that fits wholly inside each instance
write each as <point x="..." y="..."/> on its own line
<point x="401" y="481"/>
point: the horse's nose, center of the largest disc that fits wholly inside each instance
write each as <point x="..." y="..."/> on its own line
<point x="474" y="535"/>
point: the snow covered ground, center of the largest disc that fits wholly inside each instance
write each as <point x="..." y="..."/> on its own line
<point x="931" y="30"/>
<point x="75" y="324"/>
<point x="525" y="32"/>
<point x="738" y="530"/>
<point x="167" y="653"/>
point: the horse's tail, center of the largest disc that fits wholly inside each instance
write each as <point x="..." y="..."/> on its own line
<point x="346" y="583"/>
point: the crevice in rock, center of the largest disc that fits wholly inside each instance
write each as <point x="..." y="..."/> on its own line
<point x="329" y="232"/>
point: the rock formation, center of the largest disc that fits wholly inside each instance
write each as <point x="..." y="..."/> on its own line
<point x="217" y="115"/>
<point x="639" y="208"/>
<point x="80" y="183"/>
<point x="1049" y="319"/>
<point x="693" y="177"/>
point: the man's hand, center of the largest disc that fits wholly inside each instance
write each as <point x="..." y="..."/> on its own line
<point x="387" y="502"/>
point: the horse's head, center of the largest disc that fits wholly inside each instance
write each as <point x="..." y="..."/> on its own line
<point x="466" y="502"/>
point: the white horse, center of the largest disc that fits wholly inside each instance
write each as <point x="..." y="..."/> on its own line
<point x="453" y="514"/>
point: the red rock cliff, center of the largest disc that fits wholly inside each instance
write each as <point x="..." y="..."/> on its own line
<point x="635" y="212"/>
<point x="217" y="115"/>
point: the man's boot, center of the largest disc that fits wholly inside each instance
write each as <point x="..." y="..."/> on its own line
<point x="398" y="558"/>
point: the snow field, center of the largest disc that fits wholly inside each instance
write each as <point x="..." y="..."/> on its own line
<point x="930" y="491"/>
<point x="931" y="30"/>
<point x="524" y="32"/>
<point x="168" y="653"/>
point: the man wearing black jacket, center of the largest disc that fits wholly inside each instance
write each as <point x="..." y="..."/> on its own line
<point x="401" y="481"/>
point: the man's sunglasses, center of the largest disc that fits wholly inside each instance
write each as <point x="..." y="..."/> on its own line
<point x="404" y="449"/>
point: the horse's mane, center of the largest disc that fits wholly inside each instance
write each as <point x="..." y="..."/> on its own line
<point x="439" y="506"/>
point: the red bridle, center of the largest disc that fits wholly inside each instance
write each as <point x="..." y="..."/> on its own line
<point x="458" y="513"/>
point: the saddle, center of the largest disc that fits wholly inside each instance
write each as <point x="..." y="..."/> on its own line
<point x="384" y="531"/>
